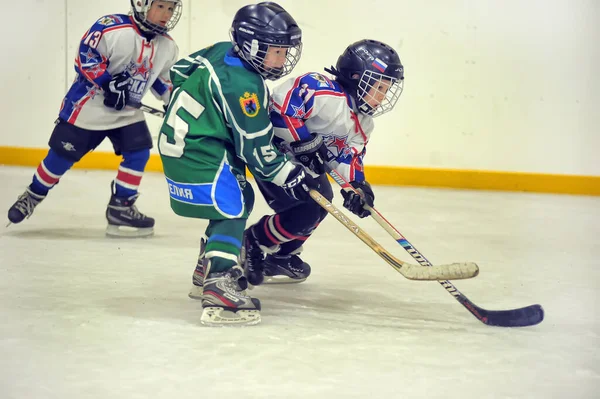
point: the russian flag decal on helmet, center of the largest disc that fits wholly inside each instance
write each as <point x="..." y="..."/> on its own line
<point x="379" y="65"/>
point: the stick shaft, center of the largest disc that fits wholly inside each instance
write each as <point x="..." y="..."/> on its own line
<point x="148" y="109"/>
<point x="410" y="271"/>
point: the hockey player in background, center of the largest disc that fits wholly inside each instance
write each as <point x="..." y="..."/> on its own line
<point x="217" y="124"/>
<point x="308" y="110"/>
<point x="119" y="59"/>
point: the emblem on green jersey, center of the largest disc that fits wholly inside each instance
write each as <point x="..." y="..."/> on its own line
<point x="250" y="105"/>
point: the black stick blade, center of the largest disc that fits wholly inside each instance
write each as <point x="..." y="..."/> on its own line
<point x="522" y="317"/>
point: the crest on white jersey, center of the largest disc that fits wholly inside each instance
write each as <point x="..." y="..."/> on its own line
<point x="110" y="20"/>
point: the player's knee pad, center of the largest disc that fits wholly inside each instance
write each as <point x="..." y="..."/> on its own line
<point x="131" y="138"/>
<point x="72" y="142"/>
<point x="302" y="219"/>
<point x="314" y="215"/>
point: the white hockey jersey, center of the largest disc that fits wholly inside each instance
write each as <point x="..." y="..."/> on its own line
<point x="313" y="103"/>
<point x="115" y="44"/>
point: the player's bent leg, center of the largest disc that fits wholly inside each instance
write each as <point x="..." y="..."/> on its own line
<point x="222" y="241"/>
<point x="124" y="219"/>
<point x="290" y="227"/>
<point x="67" y="145"/>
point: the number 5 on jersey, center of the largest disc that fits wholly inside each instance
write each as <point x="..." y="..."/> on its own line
<point x="267" y="152"/>
<point x="179" y="126"/>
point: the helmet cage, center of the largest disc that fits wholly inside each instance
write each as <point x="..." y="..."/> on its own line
<point x="140" y="9"/>
<point x="372" y="80"/>
<point x="254" y="52"/>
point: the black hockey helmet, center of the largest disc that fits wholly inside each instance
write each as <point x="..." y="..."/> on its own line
<point x="139" y="11"/>
<point x="257" y="27"/>
<point x="367" y="64"/>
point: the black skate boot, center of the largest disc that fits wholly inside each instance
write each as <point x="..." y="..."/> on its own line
<point x="253" y="256"/>
<point x="225" y="301"/>
<point x="124" y="219"/>
<point x="24" y="206"/>
<point x="285" y="269"/>
<point x="199" y="272"/>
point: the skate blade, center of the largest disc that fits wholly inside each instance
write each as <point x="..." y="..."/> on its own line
<point x="282" y="280"/>
<point x="196" y="292"/>
<point x="128" y="232"/>
<point x="220" y="317"/>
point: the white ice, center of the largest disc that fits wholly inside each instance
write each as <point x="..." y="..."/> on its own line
<point x="85" y="316"/>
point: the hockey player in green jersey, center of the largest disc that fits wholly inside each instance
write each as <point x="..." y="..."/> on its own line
<point x="217" y="123"/>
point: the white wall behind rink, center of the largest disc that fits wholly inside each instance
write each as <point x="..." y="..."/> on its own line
<point x="490" y="85"/>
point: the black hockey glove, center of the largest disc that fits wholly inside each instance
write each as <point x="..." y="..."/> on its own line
<point x="299" y="183"/>
<point x="354" y="202"/>
<point x="116" y="91"/>
<point x="312" y="153"/>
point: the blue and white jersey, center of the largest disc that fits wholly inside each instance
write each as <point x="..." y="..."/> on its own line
<point x="313" y="103"/>
<point x="114" y="44"/>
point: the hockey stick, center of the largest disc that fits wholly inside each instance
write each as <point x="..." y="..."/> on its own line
<point x="148" y="109"/>
<point x="410" y="271"/>
<point x="521" y="317"/>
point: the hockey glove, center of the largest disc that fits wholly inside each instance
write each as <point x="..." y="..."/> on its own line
<point x="312" y="153"/>
<point x="116" y="91"/>
<point x="355" y="202"/>
<point x="299" y="183"/>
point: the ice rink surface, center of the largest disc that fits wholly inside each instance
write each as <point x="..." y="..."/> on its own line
<point x="85" y="316"/>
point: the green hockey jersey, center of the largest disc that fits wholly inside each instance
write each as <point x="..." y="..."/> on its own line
<point x="216" y="124"/>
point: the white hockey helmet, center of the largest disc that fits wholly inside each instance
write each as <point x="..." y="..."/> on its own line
<point x="140" y="8"/>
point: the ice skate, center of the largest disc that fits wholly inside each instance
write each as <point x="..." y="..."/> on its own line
<point x="199" y="272"/>
<point x="285" y="269"/>
<point x="253" y="257"/>
<point x="225" y="302"/>
<point x="24" y="206"/>
<point x="124" y="219"/>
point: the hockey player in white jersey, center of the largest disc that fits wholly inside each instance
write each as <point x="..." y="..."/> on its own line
<point x="308" y="110"/>
<point x="120" y="58"/>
